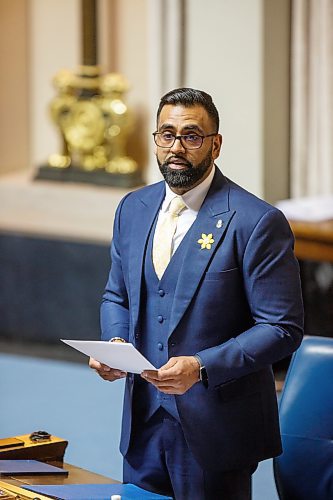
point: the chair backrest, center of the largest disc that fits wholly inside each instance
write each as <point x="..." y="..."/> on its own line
<point x="305" y="469"/>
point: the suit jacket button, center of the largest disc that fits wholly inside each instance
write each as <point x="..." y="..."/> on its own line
<point x="160" y="319"/>
<point x="160" y="346"/>
<point x="161" y="293"/>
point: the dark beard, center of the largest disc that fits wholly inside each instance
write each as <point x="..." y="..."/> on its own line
<point x="187" y="177"/>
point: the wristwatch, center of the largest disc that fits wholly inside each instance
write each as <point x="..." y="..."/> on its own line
<point x="203" y="377"/>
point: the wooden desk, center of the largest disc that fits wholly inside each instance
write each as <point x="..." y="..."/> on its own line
<point x="314" y="240"/>
<point x="76" y="476"/>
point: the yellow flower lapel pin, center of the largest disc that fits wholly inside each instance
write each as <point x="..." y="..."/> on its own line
<point x="206" y="241"/>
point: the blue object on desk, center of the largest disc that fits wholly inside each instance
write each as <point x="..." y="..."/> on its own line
<point x="95" y="492"/>
<point x="28" y="468"/>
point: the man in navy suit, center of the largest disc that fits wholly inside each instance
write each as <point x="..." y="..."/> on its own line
<point x="227" y="306"/>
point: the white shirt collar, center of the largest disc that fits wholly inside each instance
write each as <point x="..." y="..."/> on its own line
<point x="194" y="197"/>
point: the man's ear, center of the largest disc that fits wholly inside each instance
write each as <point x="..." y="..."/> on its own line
<point x="217" y="144"/>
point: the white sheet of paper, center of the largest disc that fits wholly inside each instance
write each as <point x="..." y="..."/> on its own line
<point x="120" y="355"/>
<point x="310" y="209"/>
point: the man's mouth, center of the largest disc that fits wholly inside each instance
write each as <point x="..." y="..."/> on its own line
<point x="178" y="163"/>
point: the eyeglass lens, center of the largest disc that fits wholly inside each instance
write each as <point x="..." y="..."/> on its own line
<point x="189" y="141"/>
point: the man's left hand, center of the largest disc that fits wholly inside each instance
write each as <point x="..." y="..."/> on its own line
<point x="176" y="377"/>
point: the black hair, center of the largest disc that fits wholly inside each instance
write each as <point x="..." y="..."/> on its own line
<point x="188" y="97"/>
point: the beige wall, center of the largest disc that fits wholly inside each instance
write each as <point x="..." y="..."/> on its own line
<point x="238" y="51"/>
<point x="225" y="57"/>
<point x="14" y="102"/>
<point x="54" y="44"/>
<point x="131" y="59"/>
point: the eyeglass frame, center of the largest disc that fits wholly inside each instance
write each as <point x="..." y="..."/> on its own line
<point x="180" y="137"/>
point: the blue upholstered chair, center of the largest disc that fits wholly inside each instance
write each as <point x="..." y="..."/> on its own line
<point x="305" y="469"/>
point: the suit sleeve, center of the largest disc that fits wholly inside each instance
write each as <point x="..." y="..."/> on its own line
<point x="115" y="305"/>
<point x="272" y="286"/>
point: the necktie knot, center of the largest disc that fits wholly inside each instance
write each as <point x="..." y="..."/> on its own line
<point x="176" y="206"/>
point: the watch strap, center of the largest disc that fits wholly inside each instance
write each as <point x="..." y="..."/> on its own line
<point x="202" y="371"/>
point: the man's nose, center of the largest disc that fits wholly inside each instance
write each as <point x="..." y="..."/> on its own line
<point x="177" y="146"/>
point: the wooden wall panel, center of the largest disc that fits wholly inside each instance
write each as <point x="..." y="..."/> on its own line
<point x="14" y="134"/>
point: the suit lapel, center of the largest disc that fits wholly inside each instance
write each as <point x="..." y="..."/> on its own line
<point x="143" y="219"/>
<point x="213" y="218"/>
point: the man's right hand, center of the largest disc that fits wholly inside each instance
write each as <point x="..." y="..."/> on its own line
<point x="105" y="371"/>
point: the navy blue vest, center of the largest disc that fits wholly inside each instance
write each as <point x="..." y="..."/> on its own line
<point x="156" y="305"/>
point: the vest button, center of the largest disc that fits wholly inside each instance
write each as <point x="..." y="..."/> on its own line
<point x="160" y="319"/>
<point x="161" y="293"/>
<point x="160" y="346"/>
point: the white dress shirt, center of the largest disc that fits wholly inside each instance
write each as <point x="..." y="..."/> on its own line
<point x="193" y="199"/>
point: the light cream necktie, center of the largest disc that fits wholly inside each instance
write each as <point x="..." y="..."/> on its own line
<point x="163" y="237"/>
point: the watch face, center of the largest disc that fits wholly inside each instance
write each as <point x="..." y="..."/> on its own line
<point x="203" y="375"/>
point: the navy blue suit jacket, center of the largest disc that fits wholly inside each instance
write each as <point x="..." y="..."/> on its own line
<point x="238" y="305"/>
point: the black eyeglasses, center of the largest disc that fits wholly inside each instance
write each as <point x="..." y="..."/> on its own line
<point x="188" y="141"/>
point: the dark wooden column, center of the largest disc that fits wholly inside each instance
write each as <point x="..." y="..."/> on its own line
<point x="89" y="32"/>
